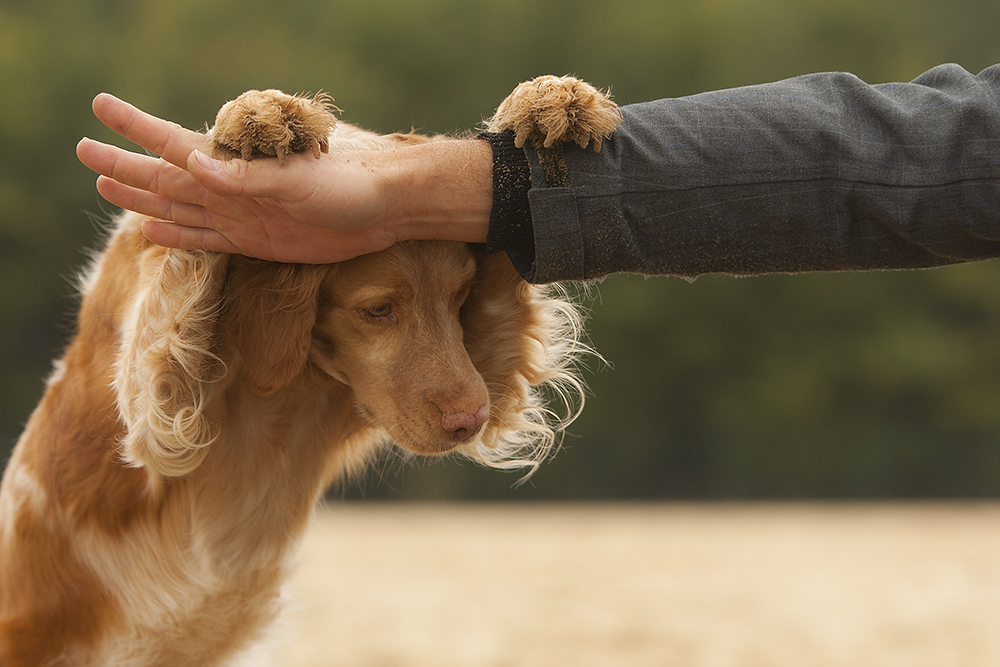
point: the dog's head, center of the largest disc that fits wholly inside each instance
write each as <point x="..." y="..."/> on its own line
<point x="390" y="328"/>
<point x="440" y="350"/>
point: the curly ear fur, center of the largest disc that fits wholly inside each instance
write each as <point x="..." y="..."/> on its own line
<point x="198" y="315"/>
<point x="167" y="362"/>
<point x="525" y="340"/>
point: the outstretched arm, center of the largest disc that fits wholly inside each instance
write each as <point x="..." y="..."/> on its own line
<point x="335" y="208"/>
<point x="817" y="173"/>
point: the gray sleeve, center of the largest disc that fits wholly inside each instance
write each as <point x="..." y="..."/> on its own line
<point x="817" y="173"/>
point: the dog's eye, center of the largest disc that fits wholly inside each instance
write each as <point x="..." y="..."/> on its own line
<point x="381" y="312"/>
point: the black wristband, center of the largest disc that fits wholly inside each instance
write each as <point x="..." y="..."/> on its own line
<point x="510" y="227"/>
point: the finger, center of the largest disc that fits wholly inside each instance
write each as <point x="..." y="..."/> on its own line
<point x="190" y="238"/>
<point x="239" y="178"/>
<point x="140" y="171"/>
<point x="113" y="161"/>
<point x="168" y="140"/>
<point x="223" y="177"/>
<point x="122" y="165"/>
<point x="153" y="205"/>
<point x="132" y="199"/>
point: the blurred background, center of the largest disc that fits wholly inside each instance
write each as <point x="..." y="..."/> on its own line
<point x="818" y="386"/>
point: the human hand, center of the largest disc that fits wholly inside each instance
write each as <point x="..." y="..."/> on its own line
<point x="345" y="204"/>
<point x="255" y="208"/>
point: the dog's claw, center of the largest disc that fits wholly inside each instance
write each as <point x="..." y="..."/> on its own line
<point x="523" y="133"/>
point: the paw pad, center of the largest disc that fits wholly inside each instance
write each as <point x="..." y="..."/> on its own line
<point x="270" y="123"/>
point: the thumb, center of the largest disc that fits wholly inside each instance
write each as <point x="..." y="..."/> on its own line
<point x="216" y="175"/>
<point x="231" y="178"/>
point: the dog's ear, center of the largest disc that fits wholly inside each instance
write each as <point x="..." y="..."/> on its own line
<point x="496" y="318"/>
<point x="195" y="317"/>
<point x="167" y="360"/>
<point x="525" y="341"/>
<point x="267" y="318"/>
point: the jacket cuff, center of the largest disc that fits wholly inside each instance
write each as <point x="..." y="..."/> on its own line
<point x="510" y="227"/>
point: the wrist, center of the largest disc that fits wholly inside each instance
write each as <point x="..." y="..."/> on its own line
<point x="440" y="190"/>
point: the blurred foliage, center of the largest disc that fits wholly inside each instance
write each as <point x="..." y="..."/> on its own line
<point x="864" y="385"/>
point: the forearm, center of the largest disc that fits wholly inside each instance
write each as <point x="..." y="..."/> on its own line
<point x="813" y="174"/>
<point x="440" y="190"/>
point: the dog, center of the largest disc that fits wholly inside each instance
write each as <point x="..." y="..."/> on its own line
<point x="152" y="508"/>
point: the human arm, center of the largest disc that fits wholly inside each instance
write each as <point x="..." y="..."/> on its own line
<point x="343" y="205"/>
<point x="818" y="173"/>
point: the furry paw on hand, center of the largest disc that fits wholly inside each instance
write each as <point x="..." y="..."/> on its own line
<point x="270" y="123"/>
<point x="552" y="109"/>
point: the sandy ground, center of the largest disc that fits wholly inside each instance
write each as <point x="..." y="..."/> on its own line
<point x="649" y="585"/>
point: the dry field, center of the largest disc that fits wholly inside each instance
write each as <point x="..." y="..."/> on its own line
<point x="385" y="585"/>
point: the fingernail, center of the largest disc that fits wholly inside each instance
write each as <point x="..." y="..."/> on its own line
<point x="207" y="163"/>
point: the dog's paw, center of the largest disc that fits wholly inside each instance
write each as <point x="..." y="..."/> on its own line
<point x="552" y="109"/>
<point x="270" y="123"/>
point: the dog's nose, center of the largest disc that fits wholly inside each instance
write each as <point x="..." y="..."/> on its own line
<point x="462" y="424"/>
